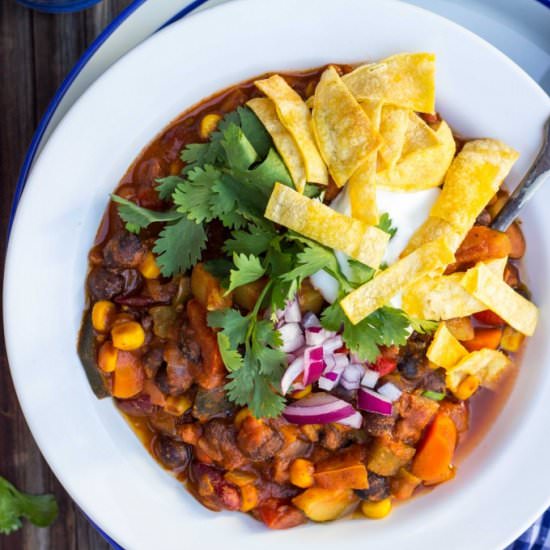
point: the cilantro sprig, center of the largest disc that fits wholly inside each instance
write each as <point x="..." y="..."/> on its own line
<point x="229" y="178"/>
<point x="40" y="510"/>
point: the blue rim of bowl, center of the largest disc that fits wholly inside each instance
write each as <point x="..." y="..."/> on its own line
<point x="46" y="8"/>
<point x="52" y="107"/>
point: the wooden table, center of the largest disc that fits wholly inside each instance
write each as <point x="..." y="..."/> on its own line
<point x="36" y="52"/>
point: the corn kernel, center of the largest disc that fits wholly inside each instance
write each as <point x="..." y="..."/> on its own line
<point x="301" y="393"/>
<point x="376" y="510"/>
<point x="511" y="339"/>
<point x="241" y="415"/>
<point x="467" y="387"/>
<point x="149" y="267"/>
<point x="240" y="479"/>
<point x="249" y="498"/>
<point x="177" y="405"/>
<point x="107" y="357"/>
<point x="208" y="125"/>
<point x="128" y="336"/>
<point x="103" y="315"/>
<point x="301" y="473"/>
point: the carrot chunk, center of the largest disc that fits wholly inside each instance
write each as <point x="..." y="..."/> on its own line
<point x="432" y="462"/>
<point x="484" y="338"/>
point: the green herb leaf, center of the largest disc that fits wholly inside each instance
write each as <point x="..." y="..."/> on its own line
<point x="137" y="218"/>
<point x="385" y="224"/>
<point x="312" y="259"/>
<point x="232" y="323"/>
<point x="167" y="186"/>
<point x="232" y="359"/>
<point x="423" y="326"/>
<point x="249" y="269"/>
<point x="220" y="268"/>
<point x="179" y="246"/>
<point x="384" y="327"/>
<point x="255" y="131"/>
<point x="255" y="240"/>
<point x="194" y="196"/>
<point x="360" y="273"/>
<point x="41" y="510"/>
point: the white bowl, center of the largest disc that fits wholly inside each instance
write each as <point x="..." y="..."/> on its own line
<point x="502" y="486"/>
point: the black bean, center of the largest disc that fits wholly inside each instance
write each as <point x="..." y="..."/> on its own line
<point x="379" y="488"/>
<point x="104" y="284"/>
<point x="173" y="454"/>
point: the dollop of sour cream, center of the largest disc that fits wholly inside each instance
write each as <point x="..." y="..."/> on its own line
<point x="407" y="210"/>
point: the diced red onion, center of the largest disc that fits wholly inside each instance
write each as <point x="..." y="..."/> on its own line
<point x="294" y="369"/>
<point x="370" y="378"/>
<point x="350" y="384"/>
<point x="333" y="343"/>
<point x="370" y="401"/>
<point x="336" y="360"/>
<point x="314" y="364"/>
<point x="315" y="336"/>
<point x="310" y="320"/>
<point x="292" y="336"/>
<point x="330" y="379"/>
<point x="353" y="373"/>
<point x="318" y="408"/>
<point x="354" y="421"/>
<point x="391" y="391"/>
<point x="292" y="313"/>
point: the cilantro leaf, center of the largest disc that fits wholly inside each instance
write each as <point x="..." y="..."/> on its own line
<point x="385" y="327"/>
<point x="239" y="151"/>
<point x="312" y="259"/>
<point x="249" y="269"/>
<point x="333" y="317"/>
<point x="423" y="326"/>
<point x="234" y="325"/>
<point x="263" y="177"/>
<point x="255" y="240"/>
<point x="255" y="131"/>
<point x="179" y="246"/>
<point x="137" y="218"/>
<point x="232" y="359"/>
<point x="194" y="196"/>
<point x="360" y="273"/>
<point x="220" y="268"/>
<point x="166" y="186"/>
<point x="385" y="224"/>
<point x="41" y="510"/>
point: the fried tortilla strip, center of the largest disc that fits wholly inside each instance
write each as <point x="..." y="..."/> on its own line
<point x="444" y="297"/>
<point x="419" y="135"/>
<point x="445" y="350"/>
<point x="432" y="258"/>
<point x="486" y="364"/>
<point x="296" y="118"/>
<point x="431" y="229"/>
<point x="406" y="80"/>
<point x="314" y="220"/>
<point x="501" y="298"/>
<point x="474" y="176"/>
<point x="373" y="109"/>
<point x="284" y="142"/>
<point x="344" y="134"/>
<point x="421" y="167"/>
<point x="393" y="129"/>
<point x="362" y="192"/>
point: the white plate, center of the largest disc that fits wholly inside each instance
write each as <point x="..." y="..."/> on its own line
<point x="501" y="487"/>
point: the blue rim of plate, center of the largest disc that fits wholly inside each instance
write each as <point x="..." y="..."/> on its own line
<point x="47" y="8"/>
<point x="524" y="542"/>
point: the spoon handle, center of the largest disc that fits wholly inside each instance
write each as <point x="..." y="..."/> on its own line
<point x="531" y="182"/>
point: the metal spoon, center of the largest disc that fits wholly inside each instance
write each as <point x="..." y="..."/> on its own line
<point x="538" y="174"/>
